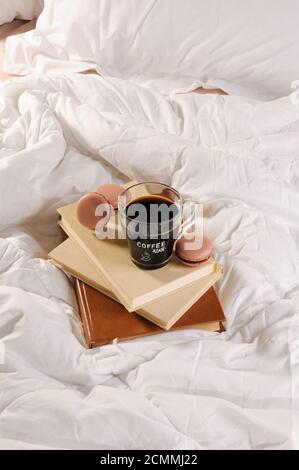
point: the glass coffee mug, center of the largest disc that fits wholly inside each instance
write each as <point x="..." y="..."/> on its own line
<point x="153" y="217"/>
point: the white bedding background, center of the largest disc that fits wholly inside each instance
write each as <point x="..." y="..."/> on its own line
<point x="22" y="9"/>
<point x="60" y="137"/>
<point x="249" y="48"/>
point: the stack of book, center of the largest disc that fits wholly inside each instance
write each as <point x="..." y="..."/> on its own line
<point x="119" y="301"/>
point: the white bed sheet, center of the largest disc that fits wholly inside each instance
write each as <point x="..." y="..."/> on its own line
<point x="244" y="48"/>
<point x="21" y="9"/>
<point x="59" y="137"/>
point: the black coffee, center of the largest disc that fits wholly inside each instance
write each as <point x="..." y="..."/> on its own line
<point x="152" y="227"/>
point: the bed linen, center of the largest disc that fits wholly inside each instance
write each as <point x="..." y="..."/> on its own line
<point x="9" y="29"/>
<point x="60" y="137"/>
<point x="21" y="9"/>
<point x="247" y="48"/>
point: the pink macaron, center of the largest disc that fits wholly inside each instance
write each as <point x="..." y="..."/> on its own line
<point x="88" y="212"/>
<point x="193" y="249"/>
<point x="111" y="192"/>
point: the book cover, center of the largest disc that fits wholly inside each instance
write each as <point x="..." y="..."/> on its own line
<point x="164" y="312"/>
<point x="105" y="320"/>
<point x="134" y="287"/>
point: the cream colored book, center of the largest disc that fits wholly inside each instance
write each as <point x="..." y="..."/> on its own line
<point x="134" y="287"/>
<point x="164" y="312"/>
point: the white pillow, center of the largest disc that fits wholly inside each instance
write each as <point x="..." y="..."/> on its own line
<point x="246" y="47"/>
<point x="22" y="9"/>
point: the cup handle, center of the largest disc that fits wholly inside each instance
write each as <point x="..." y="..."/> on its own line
<point x="192" y="217"/>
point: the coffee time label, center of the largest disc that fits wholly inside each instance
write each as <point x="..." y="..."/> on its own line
<point x="151" y="252"/>
<point x="159" y="247"/>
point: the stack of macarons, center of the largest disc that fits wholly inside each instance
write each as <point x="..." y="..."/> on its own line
<point x="105" y="195"/>
<point x="193" y="249"/>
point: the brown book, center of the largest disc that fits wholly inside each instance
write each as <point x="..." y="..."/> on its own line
<point x="105" y="320"/>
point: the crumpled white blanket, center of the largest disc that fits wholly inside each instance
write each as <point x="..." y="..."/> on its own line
<point x="60" y="137"/>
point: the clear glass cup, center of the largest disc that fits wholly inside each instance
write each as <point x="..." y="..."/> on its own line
<point x="152" y="215"/>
